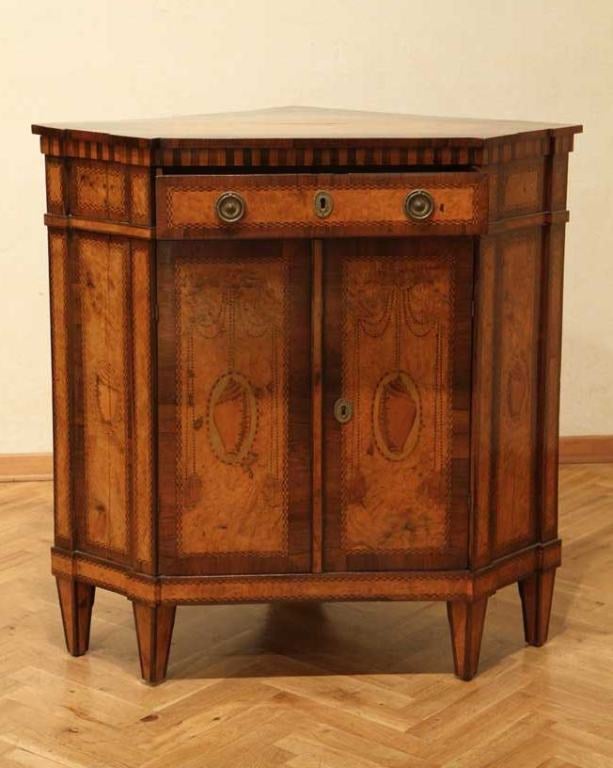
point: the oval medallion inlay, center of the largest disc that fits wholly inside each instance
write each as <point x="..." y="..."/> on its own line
<point x="396" y="415"/>
<point x="232" y="418"/>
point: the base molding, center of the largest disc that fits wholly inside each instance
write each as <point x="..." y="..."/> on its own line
<point x="586" y="449"/>
<point x="25" y="467"/>
<point x="380" y="585"/>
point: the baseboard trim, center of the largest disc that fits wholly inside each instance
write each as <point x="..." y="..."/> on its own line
<point x="586" y="449"/>
<point x="25" y="467"/>
<point x="576" y="449"/>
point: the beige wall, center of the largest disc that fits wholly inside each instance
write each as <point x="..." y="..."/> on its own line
<point x="79" y="59"/>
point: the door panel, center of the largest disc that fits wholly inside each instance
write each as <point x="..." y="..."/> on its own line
<point x="397" y="347"/>
<point x="234" y="406"/>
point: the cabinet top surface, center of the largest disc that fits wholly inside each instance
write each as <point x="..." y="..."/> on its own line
<point x="304" y="123"/>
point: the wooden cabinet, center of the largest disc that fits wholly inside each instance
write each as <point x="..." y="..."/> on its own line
<point x="305" y="355"/>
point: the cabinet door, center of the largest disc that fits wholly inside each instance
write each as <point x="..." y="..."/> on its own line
<point x="234" y="406"/>
<point x="397" y="349"/>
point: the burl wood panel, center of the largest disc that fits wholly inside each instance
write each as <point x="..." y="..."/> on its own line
<point x="512" y="465"/>
<point x="55" y="185"/>
<point x="284" y="205"/>
<point x="235" y="455"/>
<point x="516" y="389"/>
<point x="60" y="348"/>
<point x="143" y="332"/>
<point x="551" y="354"/>
<point x="101" y="334"/>
<point x="109" y="191"/>
<point x="397" y="332"/>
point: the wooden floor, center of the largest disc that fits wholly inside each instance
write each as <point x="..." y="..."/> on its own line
<point x="356" y="685"/>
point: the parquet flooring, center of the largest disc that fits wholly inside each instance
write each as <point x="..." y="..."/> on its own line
<point x="307" y="686"/>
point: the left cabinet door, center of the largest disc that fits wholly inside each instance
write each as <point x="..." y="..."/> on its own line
<point x="234" y="409"/>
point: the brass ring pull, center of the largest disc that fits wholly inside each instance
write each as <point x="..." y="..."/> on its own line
<point x="343" y="410"/>
<point x="230" y="207"/>
<point x="419" y="205"/>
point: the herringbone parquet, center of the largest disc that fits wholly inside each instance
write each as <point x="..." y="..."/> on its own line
<point x="301" y="686"/>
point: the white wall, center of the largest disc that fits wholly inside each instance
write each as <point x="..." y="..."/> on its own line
<point x="85" y="60"/>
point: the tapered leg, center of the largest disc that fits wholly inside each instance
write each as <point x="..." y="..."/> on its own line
<point x="154" y="625"/>
<point x="76" y="602"/>
<point x="466" y="623"/>
<point x="536" y="594"/>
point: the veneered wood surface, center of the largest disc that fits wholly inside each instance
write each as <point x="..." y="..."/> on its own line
<point x="234" y="394"/>
<point x="298" y="122"/>
<point x="283" y="205"/>
<point x="109" y="191"/>
<point x="304" y="138"/>
<point x="103" y="291"/>
<point x="516" y="371"/>
<point x="101" y="216"/>
<point x="509" y="405"/>
<point x="143" y="366"/>
<point x="550" y="324"/>
<point x="419" y="584"/>
<point x="59" y="289"/>
<point x="397" y="330"/>
<point x="317" y="395"/>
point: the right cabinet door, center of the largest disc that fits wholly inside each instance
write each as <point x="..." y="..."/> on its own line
<point x="397" y="366"/>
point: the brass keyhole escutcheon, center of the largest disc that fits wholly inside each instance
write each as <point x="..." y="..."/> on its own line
<point x="323" y="204"/>
<point x="419" y="205"/>
<point x="230" y="207"/>
<point x="343" y="410"/>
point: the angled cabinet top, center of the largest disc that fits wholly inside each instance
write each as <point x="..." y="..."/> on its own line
<point x="296" y="126"/>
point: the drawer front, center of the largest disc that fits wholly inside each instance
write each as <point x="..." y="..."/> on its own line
<point x="290" y="205"/>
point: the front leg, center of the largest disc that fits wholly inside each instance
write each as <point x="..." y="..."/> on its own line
<point x="154" y="625"/>
<point x="536" y="594"/>
<point x="466" y="621"/>
<point x="76" y="602"/>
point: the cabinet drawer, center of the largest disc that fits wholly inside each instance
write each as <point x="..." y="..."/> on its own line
<point x="320" y="205"/>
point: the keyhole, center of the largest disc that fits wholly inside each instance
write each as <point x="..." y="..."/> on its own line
<point x="323" y="204"/>
<point x="343" y="410"/>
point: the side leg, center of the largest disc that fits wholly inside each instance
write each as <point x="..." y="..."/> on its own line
<point x="154" y="625"/>
<point x="466" y="623"/>
<point x="76" y="602"/>
<point x="536" y="594"/>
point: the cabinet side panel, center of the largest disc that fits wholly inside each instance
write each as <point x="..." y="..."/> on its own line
<point x="60" y="327"/>
<point x="551" y="354"/>
<point x="143" y="334"/>
<point x="515" y="363"/>
<point x="101" y="282"/>
<point x="517" y="357"/>
<point x="483" y="407"/>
